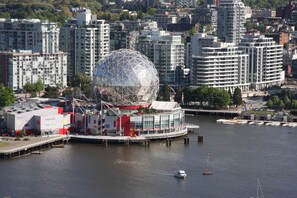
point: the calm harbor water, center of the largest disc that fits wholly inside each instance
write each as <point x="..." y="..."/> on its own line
<point x="239" y="155"/>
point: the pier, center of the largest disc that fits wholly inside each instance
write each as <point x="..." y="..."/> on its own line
<point x="13" y="147"/>
<point x="228" y="113"/>
<point x="16" y="147"/>
<point x="143" y="139"/>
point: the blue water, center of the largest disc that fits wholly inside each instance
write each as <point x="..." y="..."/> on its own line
<point x="239" y="155"/>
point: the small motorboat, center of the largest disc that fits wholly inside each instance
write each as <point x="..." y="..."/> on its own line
<point x="180" y="174"/>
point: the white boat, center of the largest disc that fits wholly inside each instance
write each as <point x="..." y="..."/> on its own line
<point x="180" y="174"/>
<point x="259" y="123"/>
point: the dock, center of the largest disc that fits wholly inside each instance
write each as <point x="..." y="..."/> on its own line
<point x="192" y="128"/>
<point x="229" y="113"/>
<point x="13" y="148"/>
<point x="257" y="122"/>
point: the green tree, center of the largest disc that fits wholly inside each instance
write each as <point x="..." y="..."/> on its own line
<point x="294" y="104"/>
<point x="269" y="104"/>
<point x="178" y="96"/>
<point x="237" y="97"/>
<point x="39" y="86"/>
<point x="164" y="93"/>
<point x="187" y="95"/>
<point x="52" y="92"/>
<point x="275" y="100"/>
<point x="203" y="95"/>
<point x="82" y="81"/>
<point x="6" y="96"/>
<point x="68" y="92"/>
<point x="152" y="11"/>
<point x="281" y="104"/>
<point x="287" y="101"/>
<point x="29" y="87"/>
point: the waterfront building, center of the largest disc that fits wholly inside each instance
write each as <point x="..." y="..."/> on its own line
<point x="265" y="61"/>
<point x="195" y="44"/>
<point x="32" y="118"/>
<point x="40" y="36"/>
<point x="86" y="40"/>
<point x="231" y="20"/>
<point x="223" y="66"/>
<point x="128" y="100"/>
<point x="20" y="67"/>
<point x="166" y="50"/>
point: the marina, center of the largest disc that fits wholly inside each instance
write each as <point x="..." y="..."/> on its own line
<point x="257" y="122"/>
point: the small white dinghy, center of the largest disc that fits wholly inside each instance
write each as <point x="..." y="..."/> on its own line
<point x="180" y="174"/>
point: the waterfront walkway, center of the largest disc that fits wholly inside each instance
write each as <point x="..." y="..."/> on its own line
<point x="135" y="139"/>
<point x="10" y="147"/>
<point x="212" y="112"/>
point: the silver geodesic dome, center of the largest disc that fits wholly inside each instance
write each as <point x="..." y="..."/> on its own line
<point x="126" y="77"/>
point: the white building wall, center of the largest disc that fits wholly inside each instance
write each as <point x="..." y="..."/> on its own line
<point x="265" y="61"/>
<point x="221" y="67"/>
<point x="110" y="122"/>
<point x="164" y="50"/>
<point x="86" y="40"/>
<point x="26" y="66"/>
<point x="23" y="118"/>
<point x="50" y="122"/>
<point x="29" y="34"/>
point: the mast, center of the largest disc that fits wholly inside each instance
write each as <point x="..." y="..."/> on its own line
<point x="259" y="189"/>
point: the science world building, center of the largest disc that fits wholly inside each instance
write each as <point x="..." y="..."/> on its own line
<point x="126" y="85"/>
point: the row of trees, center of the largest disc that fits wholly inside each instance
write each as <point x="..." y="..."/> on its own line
<point x="203" y="96"/>
<point x="282" y="101"/>
<point x="6" y="96"/>
<point x="265" y="3"/>
<point x="34" y="88"/>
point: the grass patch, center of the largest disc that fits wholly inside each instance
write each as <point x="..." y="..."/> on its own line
<point x="259" y="112"/>
<point x="2" y="144"/>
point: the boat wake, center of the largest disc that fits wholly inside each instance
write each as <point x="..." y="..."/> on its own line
<point x="125" y="162"/>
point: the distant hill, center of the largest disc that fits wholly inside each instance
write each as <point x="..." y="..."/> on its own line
<point x="52" y="10"/>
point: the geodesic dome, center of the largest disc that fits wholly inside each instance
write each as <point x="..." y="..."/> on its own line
<point x="126" y="77"/>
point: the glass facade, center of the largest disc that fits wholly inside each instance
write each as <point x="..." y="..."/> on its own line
<point x="156" y="124"/>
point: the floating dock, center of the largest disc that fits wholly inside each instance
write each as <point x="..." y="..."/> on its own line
<point x="257" y="122"/>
